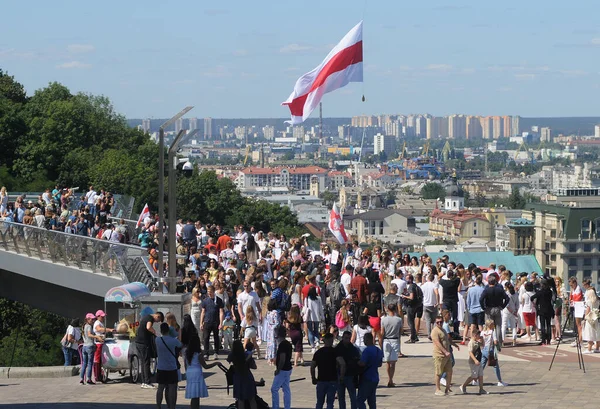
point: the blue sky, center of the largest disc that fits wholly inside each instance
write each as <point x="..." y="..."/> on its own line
<point x="241" y="58"/>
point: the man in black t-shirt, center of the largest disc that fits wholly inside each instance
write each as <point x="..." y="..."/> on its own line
<point x="347" y="356"/>
<point x="450" y="287"/>
<point x="211" y="319"/>
<point x="325" y="360"/>
<point x="283" y="372"/>
<point x="144" y="342"/>
<point x="414" y="308"/>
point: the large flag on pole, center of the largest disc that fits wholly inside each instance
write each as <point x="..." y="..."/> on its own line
<point x="341" y="66"/>
<point x="145" y="213"/>
<point x="336" y="226"/>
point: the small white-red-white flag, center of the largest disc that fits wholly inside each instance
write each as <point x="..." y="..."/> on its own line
<point x="336" y="225"/>
<point x="344" y="64"/>
<point x="145" y="213"/>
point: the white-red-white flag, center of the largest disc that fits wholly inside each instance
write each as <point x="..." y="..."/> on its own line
<point x="344" y="64"/>
<point x="145" y="213"/>
<point x="336" y="225"/>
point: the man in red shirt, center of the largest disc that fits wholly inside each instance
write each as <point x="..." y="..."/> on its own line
<point x="312" y="282"/>
<point x="222" y="242"/>
<point x="359" y="283"/>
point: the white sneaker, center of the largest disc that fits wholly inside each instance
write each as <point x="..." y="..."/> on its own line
<point x="215" y="357"/>
<point x="443" y="381"/>
<point x="587" y="351"/>
<point x="475" y="383"/>
<point x="574" y="344"/>
<point x="146" y="386"/>
<point x="502" y="384"/>
<point x="312" y="350"/>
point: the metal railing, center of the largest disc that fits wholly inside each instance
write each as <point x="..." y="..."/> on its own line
<point x="85" y="253"/>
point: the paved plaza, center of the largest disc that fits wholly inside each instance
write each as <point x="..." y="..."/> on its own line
<point x="524" y="368"/>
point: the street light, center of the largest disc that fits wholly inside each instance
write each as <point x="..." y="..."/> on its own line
<point x="161" y="189"/>
<point x="172" y="200"/>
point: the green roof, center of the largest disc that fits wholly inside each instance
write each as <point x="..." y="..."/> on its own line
<point x="516" y="264"/>
<point x="571" y="216"/>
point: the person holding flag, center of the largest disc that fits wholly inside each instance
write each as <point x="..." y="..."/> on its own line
<point x="336" y="224"/>
<point x="143" y="216"/>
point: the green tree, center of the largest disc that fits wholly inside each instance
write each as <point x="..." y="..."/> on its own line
<point x="433" y="190"/>
<point x="329" y="198"/>
<point x="516" y="200"/>
<point x="267" y="217"/>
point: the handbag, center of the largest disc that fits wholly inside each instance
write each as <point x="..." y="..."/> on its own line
<point x="492" y="360"/>
<point x="64" y="342"/>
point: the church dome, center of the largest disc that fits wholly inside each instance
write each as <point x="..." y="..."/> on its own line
<point x="453" y="189"/>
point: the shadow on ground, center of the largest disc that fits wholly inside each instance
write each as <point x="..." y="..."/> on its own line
<point x="90" y="405"/>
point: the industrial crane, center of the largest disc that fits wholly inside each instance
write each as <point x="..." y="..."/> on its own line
<point x="248" y="149"/>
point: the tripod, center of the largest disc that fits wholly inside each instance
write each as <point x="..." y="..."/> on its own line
<point x="570" y="316"/>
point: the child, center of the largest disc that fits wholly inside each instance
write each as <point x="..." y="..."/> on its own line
<point x="227" y="330"/>
<point x="249" y="327"/>
<point x="475" y="363"/>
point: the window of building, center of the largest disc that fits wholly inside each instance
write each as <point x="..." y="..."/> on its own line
<point x="372" y="227"/>
<point x="587" y="261"/>
<point x="597" y="228"/>
<point x="572" y="262"/>
<point x="572" y="272"/>
<point x="474" y="232"/>
<point x="572" y="248"/>
<point x="585" y="228"/>
<point x="587" y="247"/>
<point x="381" y="227"/>
<point x="587" y="274"/>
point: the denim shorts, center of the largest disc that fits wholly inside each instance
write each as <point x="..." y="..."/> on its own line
<point x="478" y="318"/>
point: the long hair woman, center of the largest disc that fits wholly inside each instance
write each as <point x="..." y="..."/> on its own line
<point x="244" y="386"/>
<point x="195" y="387"/>
<point x="490" y="343"/>
<point x="294" y="324"/>
<point x="249" y="325"/>
<point x="510" y="314"/>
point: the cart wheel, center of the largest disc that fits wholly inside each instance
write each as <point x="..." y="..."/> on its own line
<point x="134" y="369"/>
<point x="105" y="373"/>
<point x="122" y="372"/>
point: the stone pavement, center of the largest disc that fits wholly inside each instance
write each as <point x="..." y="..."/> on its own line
<point x="525" y="368"/>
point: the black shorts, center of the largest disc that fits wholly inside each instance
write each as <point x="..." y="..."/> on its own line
<point x="477" y="318"/>
<point x="166" y="377"/>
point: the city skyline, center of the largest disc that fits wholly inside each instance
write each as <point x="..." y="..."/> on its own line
<point x="534" y="59"/>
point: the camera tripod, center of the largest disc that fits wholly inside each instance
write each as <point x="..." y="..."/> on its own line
<point x="570" y="316"/>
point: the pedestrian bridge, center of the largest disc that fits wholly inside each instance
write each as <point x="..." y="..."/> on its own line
<point x="65" y="273"/>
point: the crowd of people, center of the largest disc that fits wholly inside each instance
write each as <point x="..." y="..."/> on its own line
<point x="252" y="291"/>
<point x="59" y="210"/>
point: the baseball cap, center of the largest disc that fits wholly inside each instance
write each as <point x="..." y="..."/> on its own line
<point x="89" y="315"/>
<point x="100" y="313"/>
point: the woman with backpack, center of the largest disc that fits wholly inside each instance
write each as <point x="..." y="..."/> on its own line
<point x="343" y="320"/>
<point x="294" y="325"/>
<point x="240" y="376"/>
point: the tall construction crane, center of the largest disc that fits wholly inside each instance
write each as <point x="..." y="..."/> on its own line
<point x="248" y="150"/>
<point x="426" y="149"/>
<point x="403" y="152"/>
<point x="446" y="151"/>
<point x="522" y="148"/>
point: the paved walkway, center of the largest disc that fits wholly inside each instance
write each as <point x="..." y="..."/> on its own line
<point x="525" y="368"/>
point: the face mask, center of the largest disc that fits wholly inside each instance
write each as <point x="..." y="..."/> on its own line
<point x="227" y="277"/>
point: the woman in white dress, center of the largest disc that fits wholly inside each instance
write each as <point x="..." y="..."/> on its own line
<point x="510" y="314"/>
<point x="195" y="387"/>
<point x="590" y="331"/>
<point x="196" y="309"/>
<point x="3" y="200"/>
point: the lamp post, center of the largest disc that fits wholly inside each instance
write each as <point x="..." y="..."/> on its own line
<point x="161" y="190"/>
<point x="172" y="201"/>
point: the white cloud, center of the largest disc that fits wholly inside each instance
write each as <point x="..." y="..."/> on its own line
<point x="240" y="53"/>
<point x="73" y="65"/>
<point x="80" y="48"/>
<point x="573" y="73"/>
<point x="525" y="76"/>
<point x="468" y="70"/>
<point x="595" y="41"/>
<point x="294" y="48"/>
<point x="438" y="67"/>
<point x="405" y="68"/>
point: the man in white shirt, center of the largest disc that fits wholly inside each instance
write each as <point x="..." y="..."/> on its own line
<point x="246" y="298"/>
<point x="91" y="200"/>
<point x="431" y="300"/>
<point x="357" y="254"/>
<point x="399" y="281"/>
<point x="346" y="278"/>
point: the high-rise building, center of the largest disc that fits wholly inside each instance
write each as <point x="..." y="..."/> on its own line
<point x="498" y="127"/>
<point x="392" y="128"/>
<point x="597" y="131"/>
<point x="443" y="126"/>
<point x="457" y="125"/>
<point x="269" y="132"/>
<point x="178" y="125"/>
<point x="364" y="121"/>
<point x="146" y="125"/>
<point x="298" y="132"/>
<point x="473" y="127"/>
<point x="384" y="143"/>
<point x="208" y="131"/>
<point x="507" y="127"/>
<point x="193" y="124"/>
<point x="421" y="126"/>
<point x="545" y="135"/>
<point x="516" y="125"/>
<point x="432" y="129"/>
<point x="240" y="132"/>
<point x="487" y="127"/>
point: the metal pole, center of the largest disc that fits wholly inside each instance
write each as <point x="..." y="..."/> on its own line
<point x="161" y="191"/>
<point x="172" y="202"/>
